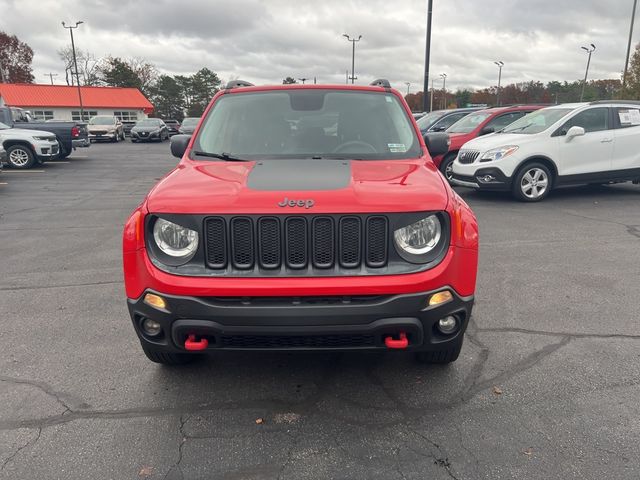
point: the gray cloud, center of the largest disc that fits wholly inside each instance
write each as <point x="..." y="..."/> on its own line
<point x="265" y="41"/>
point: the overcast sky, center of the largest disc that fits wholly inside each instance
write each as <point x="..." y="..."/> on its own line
<point x="265" y="41"/>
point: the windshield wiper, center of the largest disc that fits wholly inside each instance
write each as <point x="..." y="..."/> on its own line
<point x="516" y="129"/>
<point x="222" y="156"/>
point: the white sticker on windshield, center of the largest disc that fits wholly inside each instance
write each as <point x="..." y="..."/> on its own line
<point x="629" y="117"/>
<point x="397" y="147"/>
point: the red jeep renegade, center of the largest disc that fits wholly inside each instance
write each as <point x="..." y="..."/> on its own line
<point x="302" y="217"/>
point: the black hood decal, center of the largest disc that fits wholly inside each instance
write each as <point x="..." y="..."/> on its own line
<point x="300" y="175"/>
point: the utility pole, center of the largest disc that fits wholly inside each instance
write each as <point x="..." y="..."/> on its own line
<point x="589" y="51"/>
<point x="427" y="59"/>
<point x="444" y="90"/>
<point x="431" y="102"/>
<point x="408" y="84"/>
<point x="353" y="54"/>
<point x="347" y="77"/>
<point x="1" y="75"/>
<point x="500" y="64"/>
<point x="314" y="80"/>
<point x="303" y="80"/>
<point x="75" y="65"/>
<point x="626" y="62"/>
<point x="51" y="75"/>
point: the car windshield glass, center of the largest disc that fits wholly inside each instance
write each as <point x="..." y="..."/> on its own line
<point x="4" y="127"/>
<point x="101" y="121"/>
<point x="429" y="119"/>
<point x="190" y="122"/>
<point x="468" y="123"/>
<point x="309" y="124"/>
<point x="537" y="121"/>
<point x="149" y="122"/>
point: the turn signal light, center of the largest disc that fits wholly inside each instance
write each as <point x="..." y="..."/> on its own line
<point x="156" y="301"/>
<point x="440" y="298"/>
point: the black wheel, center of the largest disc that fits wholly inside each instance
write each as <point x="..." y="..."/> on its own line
<point x="62" y="152"/>
<point x="133" y="140"/>
<point x="446" y="166"/>
<point x="532" y="183"/>
<point x="440" y="356"/>
<point x="20" y="156"/>
<point x="168" y="358"/>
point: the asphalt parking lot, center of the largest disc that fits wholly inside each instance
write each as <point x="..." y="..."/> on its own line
<point x="546" y="387"/>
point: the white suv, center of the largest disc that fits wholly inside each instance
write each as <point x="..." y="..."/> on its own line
<point x="566" y="144"/>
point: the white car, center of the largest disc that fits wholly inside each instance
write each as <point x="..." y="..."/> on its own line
<point x="566" y="144"/>
<point x="24" y="148"/>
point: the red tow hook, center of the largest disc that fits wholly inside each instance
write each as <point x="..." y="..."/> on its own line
<point x="195" y="345"/>
<point x="403" y="342"/>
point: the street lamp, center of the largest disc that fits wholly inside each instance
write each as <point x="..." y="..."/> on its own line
<point x="444" y="90"/>
<point x="75" y="65"/>
<point x="353" y="54"/>
<point x="626" y="61"/>
<point x="303" y="80"/>
<point x="589" y="51"/>
<point x="408" y="84"/>
<point x="500" y="64"/>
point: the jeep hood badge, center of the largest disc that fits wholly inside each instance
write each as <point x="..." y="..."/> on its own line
<point x="306" y="203"/>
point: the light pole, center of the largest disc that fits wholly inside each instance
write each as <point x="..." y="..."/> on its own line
<point x="584" y="82"/>
<point x="626" y="62"/>
<point x="431" y="101"/>
<point x="75" y="65"/>
<point x="353" y="54"/>
<point x="500" y="64"/>
<point x="444" y="90"/>
<point x="303" y="80"/>
<point x="427" y="58"/>
<point x="408" y="84"/>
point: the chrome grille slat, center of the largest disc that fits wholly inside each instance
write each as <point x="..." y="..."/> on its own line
<point x="468" y="156"/>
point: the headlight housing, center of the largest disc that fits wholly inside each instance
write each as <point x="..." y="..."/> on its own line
<point x="498" y="153"/>
<point x="416" y="241"/>
<point x="44" y="139"/>
<point x="177" y="242"/>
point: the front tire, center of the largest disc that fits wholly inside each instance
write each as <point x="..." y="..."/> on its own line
<point x="19" y="156"/>
<point x="446" y="166"/>
<point x="532" y="183"/>
<point x="168" y="358"/>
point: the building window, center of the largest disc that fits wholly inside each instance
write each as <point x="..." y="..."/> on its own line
<point x="75" y="115"/>
<point x="42" y="115"/>
<point x="126" y="116"/>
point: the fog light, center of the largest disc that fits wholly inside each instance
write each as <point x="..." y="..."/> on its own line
<point x="156" y="301"/>
<point x="448" y="324"/>
<point x="440" y="298"/>
<point x="151" y="327"/>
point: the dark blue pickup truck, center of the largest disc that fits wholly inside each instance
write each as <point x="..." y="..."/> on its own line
<point x="70" y="135"/>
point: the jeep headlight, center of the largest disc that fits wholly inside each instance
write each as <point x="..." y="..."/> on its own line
<point x="498" y="153"/>
<point x="175" y="240"/>
<point x="419" y="238"/>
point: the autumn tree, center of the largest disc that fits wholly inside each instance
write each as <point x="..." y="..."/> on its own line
<point x="289" y="81"/>
<point x="15" y="60"/>
<point x="632" y="87"/>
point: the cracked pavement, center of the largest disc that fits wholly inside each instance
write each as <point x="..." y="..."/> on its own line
<point x="547" y="384"/>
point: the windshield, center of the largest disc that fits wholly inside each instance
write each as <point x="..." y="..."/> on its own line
<point x="4" y="127"/>
<point x="309" y="124"/>
<point x="429" y="119"/>
<point x="148" y="122"/>
<point x="468" y="123"/>
<point x="101" y="121"/>
<point x="190" y="122"/>
<point x="537" y="121"/>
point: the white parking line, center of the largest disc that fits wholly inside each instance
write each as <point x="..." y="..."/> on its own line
<point x="4" y="183"/>
<point x="23" y="171"/>
<point x="56" y="161"/>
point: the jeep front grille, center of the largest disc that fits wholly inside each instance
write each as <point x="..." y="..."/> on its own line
<point x="272" y="243"/>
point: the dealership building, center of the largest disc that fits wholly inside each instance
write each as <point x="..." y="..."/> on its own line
<point x="61" y="102"/>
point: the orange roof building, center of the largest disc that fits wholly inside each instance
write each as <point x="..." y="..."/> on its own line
<point x="61" y="102"/>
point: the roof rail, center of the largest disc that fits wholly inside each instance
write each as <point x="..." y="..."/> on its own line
<point x="623" y="102"/>
<point x="381" y="82"/>
<point x="237" y="84"/>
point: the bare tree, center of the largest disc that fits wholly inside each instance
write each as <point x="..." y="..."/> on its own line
<point x="145" y="71"/>
<point x="88" y="66"/>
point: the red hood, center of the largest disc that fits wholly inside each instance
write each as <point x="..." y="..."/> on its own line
<point x="371" y="186"/>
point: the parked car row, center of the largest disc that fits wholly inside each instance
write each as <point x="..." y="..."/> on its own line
<point x="531" y="149"/>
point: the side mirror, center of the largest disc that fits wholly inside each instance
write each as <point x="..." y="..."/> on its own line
<point x="437" y="143"/>
<point x="179" y="145"/>
<point x="574" y="131"/>
<point x="487" y="130"/>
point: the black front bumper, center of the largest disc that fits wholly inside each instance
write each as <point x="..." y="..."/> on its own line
<point x="301" y="323"/>
<point x="490" y="178"/>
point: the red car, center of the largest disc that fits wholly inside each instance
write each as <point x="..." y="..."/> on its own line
<point x="475" y="125"/>
<point x="302" y="217"/>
